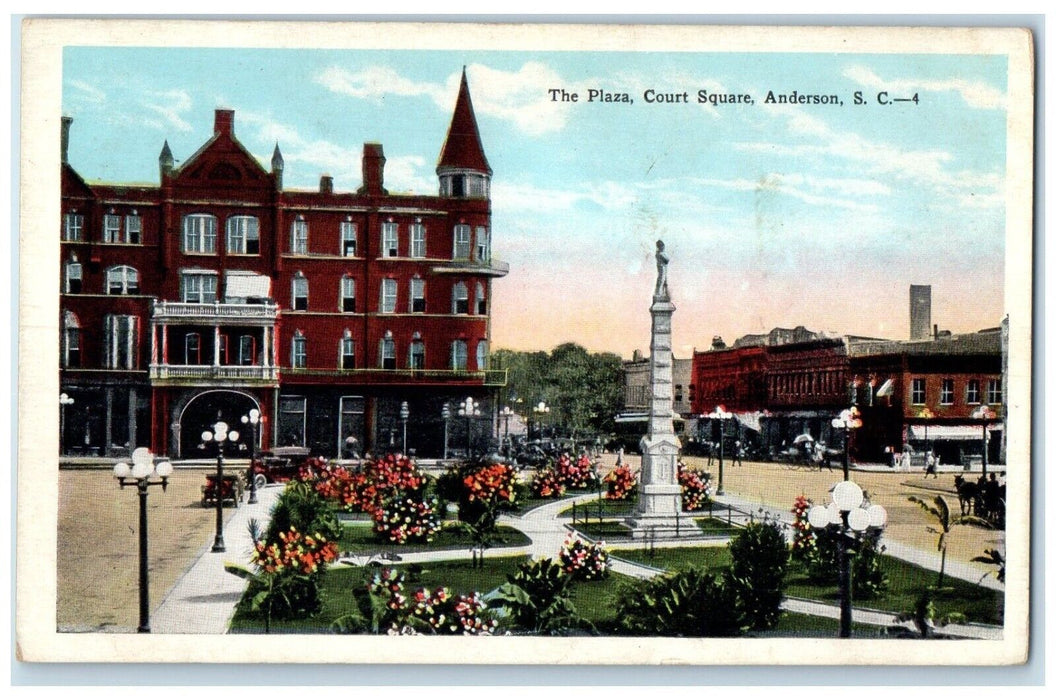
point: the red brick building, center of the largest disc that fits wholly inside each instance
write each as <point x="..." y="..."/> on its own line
<point x="219" y="290"/>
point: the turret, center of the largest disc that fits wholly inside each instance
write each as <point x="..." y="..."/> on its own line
<point x="463" y="168"/>
<point x="277" y="166"/>
<point x="165" y="161"/>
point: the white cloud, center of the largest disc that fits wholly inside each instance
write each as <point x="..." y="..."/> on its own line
<point x="375" y="83"/>
<point x="976" y="94"/>
<point x="88" y="92"/>
<point x="168" y="105"/>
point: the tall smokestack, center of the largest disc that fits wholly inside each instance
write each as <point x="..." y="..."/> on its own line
<point x="65" y="143"/>
<point x="919" y="311"/>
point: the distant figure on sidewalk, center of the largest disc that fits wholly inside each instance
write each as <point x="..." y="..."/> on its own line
<point x="711" y="452"/>
<point x="930" y="463"/>
<point x="619" y="457"/>
<point x="738" y="453"/>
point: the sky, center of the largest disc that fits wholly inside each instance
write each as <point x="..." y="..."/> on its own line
<point x="819" y="215"/>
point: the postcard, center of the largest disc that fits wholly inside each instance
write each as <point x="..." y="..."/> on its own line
<point x="351" y="342"/>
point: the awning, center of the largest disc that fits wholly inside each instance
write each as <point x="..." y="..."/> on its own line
<point x="240" y="285"/>
<point x="750" y="420"/>
<point x="946" y="432"/>
<point x="886" y="389"/>
<point x="632" y="417"/>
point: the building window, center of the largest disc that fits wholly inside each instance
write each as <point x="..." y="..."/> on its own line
<point x="462" y="234"/>
<point x="483" y="249"/>
<point x="122" y="280"/>
<point x="299" y="293"/>
<point x="353" y="410"/>
<point x="71" y="341"/>
<point x="417" y="240"/>
<point x="247" y="350"/>
<point x="192" y="349"/>
<point x="918" y="395"/>
<point x="348" y="239"/>
<point x="74" y="276"/>
<point x="299" y="236"/>
<point x="946" y="392"/>
<point x="72" y="227"/>
<point x="482" y="302"/>
<point x="133" y="228"/>
<point x="292" y="420"/>
<point x="390" y="240"/>
<point x="348" y="352"/>
<point x="387" y="352"/>
<point x="221" y="349"/>
<point x="993" y="392"/>
<point x="298" y="351"/>
<point x="119" y="334"/>
<point x="243" y="235"/>
<point x="111" y="228"/>
<point x="417" y="295"/>
<point x="459" y="299"/>
<point x="199" y="288"/>
<point x="678" y="393"/>
<point x="476" y="186"/>
<point x="458" y="355"/>
<point x="971" y="391"/>
<point x="388" y="296"/>
<point x="482" y="355"/>
<point x="348" y="295"/>
<point x="416" y="356"/>
<point x="199" y="233"/>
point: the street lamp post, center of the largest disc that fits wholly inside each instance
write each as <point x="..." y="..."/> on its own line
<point x="506" y="413"/>
<point x="64" y="401"/>
<point x="445" y="413"/>
<point x="469" y="409"/>
<point x="540" y="410"/>
<point x="140" y="475"/>
<point x="219" y="435"/>
<point x="985" y="415"/>
<point x="721" y="414"/>
<point x="848" y="512"/>
<point x="847" y="420"/>
<point x="405" y="413"/>
<point x="251" y="421"/>
<point x="926" y="415"/>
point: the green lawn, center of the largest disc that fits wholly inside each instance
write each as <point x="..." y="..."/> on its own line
<point x="677" y="557"/>
<point x="589" y="509"/>
<point x="359" y="538"/>
<point x="801" y="625"/>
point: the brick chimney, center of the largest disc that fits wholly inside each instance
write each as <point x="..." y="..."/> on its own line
<point x="326" y="184"/>
<point x="224" y="122"/>
<point x="373" y="169"/>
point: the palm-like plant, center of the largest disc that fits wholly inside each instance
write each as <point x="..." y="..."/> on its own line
<point x="996" y="558"/>
<point x="941" y="512"/>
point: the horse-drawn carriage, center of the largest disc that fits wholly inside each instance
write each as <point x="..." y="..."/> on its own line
<point x="231" y="491"/>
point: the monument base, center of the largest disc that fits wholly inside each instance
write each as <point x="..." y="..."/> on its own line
<point x="659" y="514"/>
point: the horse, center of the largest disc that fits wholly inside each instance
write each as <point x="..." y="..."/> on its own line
<point x="968" y="493"/>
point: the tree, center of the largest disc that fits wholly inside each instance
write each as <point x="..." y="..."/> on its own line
<point x="942" y="514"/>
<point x="757" y="573"/>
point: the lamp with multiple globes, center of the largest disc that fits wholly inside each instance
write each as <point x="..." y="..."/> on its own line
<point x="506" y="413"/>
<point x="220" y="436"/>
<point x="469" y="409"/>
<point x="848" y="513"/>
<point x="251" y="421"/>
<point x="143" y="473"/>
<point x="848" y="420"/>
<point x="405" y="413"/>
<point x="722" y="415"/>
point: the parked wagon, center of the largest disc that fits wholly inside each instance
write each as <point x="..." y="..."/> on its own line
<point x="230" y="492"/>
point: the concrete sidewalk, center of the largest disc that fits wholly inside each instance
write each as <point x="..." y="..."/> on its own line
<point x="204" y="598"/>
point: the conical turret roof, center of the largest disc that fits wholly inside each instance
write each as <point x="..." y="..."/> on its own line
<point x="462" y="149"/>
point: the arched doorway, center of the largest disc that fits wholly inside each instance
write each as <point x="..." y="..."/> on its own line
<point x="203" y="410"/>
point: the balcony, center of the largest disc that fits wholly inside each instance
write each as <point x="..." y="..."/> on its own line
<point x="215" y="312"/>
<point x="420" y="377"/>
<point x="491" y="268"/>
<point x="214" y="375"/>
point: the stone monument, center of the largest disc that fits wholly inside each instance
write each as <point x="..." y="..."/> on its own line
<point x="658" y="512"/>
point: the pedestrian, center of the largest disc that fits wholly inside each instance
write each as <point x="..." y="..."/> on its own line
<point x="351" y="447"/>
<point x="738" y="453"/>
<point x="619" y="457"/>
<point x="711" y="452"/>
<point x="930" y="463"/>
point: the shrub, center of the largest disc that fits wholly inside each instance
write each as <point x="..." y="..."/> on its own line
<point x="536" y="599"/>
<point x="405" y="519"/>
<point x="299" y="507"/>
<point x="584" y="561"/>
<point x="803" y="534"/>
<point x="696" y="488"/>
<point x="577" y="474"/>
<point x="545" y="484"/>
<point x="823" y="564"/>
<point x="621" y="484"/>
<point x="757" y="573"/>
<point x="688" y="603"/>
<point x="367" y="489"/>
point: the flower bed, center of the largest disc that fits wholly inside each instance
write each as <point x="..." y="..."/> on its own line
<point x="407" y="519"/>
<point x="546" y="484"/>
<point x="696" y="488"/>
<point x="492" y="484"/>
<point x="584" y="561"/>
<point x="803" y="539"/>
<point x="365" y="490"/>
<point x="294" y="552"/>
<point x="428" y="612"/>
<point x="620" y="484"/>
<point x="576" y="474"/>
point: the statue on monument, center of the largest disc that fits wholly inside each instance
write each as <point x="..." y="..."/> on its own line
<point x="661" y="271"/>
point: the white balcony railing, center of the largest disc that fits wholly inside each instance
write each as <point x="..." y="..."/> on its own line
<point x="183" y="310"/>
<point x="237" y="373"/>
